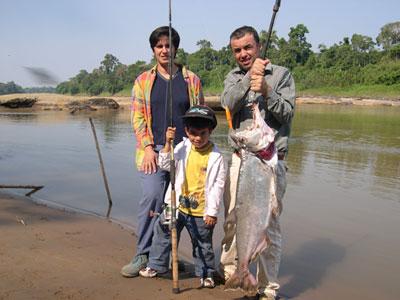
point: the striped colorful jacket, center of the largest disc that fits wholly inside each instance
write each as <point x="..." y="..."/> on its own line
<point x="141" y="108"/>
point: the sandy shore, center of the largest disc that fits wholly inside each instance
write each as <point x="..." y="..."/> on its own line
<point x="48" y="253"/>
<point x="49" y="101"/>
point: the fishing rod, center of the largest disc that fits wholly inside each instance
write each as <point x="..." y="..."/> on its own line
<point x="174" y="235"/>
<point x="263" y="55"/>
<point x="265" y="47"/>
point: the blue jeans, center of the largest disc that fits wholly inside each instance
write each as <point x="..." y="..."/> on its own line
<point x="154" y="187"/>
<point x="201" y="236"/>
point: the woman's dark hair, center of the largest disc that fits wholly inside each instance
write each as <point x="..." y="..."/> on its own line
<point x="164" y="31"/>
<point x="242" y="31"/>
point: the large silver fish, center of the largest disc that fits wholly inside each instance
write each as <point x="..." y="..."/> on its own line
<point x="255" y="198"/>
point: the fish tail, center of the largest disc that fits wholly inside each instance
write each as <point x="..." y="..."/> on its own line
<point x="233" y="282"/>
<point x="249" y="284"/>
<point x="246" y="282"/>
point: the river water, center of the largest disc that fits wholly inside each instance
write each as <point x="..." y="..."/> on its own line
<point x="341" y="211"/>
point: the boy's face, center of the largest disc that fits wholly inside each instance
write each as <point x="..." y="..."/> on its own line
<point x="198" y="137"/>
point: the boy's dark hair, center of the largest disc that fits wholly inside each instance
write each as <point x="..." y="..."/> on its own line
<point x="198" y="123"/>
<point x="199" y="117"/>
<point x="242" y="31"/>
<point x="164" y="31"/>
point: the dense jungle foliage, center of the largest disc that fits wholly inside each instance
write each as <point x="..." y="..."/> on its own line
<point x="359" y="61"/>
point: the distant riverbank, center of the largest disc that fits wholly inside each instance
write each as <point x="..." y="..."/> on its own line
<point x="48" y="101"/>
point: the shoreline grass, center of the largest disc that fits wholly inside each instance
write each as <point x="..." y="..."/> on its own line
<point x="378" y="91"/>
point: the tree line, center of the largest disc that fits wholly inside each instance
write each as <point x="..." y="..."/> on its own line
<point x="358" y="59"/>
<point x="12" y="88"/>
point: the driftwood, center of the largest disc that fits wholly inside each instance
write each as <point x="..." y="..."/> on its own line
<point x="75" y="106"/>
<point x="103" y="172"/>
<point x="103" y="103"/>
<point x="19" y="102"/>
<point x="92" y="105"/>
<point x="34" y="188"/>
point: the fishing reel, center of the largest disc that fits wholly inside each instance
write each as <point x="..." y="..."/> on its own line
<point x="188" y="202"/>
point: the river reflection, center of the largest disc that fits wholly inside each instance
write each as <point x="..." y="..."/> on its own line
<point x="343" y="184"/>
<point x="356" y="145"/>
<point x="347" y="146"/>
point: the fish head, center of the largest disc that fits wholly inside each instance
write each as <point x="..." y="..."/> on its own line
<point x="247" y="139"/>
<point x="256" y="137"/>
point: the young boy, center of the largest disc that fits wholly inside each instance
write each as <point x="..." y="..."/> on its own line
<point x="199" y="183"/>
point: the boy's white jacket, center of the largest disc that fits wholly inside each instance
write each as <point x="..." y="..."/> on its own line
<point x="215" y="175"/>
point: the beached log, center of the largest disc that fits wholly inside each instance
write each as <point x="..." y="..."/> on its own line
<point x="19" y="102"/>
<point x="75" y="106"/>
<point x="103" y="103"/>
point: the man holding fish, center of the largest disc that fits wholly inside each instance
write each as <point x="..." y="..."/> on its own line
<point x="259" y="98"/>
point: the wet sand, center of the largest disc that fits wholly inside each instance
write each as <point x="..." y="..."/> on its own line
<point x="48" y="253"/>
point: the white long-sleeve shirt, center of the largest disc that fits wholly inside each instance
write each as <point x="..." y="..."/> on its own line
<point x="215" y="175"/>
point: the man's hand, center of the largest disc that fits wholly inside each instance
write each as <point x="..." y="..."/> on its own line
<point x="257" y="80"/>
<point x="149" y="164"/>
<point x="210" y="221"/>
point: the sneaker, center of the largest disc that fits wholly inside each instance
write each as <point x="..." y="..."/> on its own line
<point x="207" y="282"/>
<point x="132" y="269"/>
<point x="148" y="272"/>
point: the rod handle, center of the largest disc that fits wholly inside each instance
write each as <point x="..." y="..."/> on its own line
<point x="175" y="275"/>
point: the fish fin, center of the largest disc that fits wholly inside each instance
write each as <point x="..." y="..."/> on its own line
<point x="247" y="283"/>
<point x="262" y="245"/>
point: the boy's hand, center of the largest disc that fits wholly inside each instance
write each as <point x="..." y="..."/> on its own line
<point x="210" y="221"/>
<point x="170" y="134"/>
<point x="169" y="137"/>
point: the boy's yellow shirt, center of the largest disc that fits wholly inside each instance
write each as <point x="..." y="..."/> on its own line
<point x="195" y="178"/>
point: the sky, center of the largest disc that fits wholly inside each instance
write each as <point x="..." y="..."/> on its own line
<point x="64" y="37"/>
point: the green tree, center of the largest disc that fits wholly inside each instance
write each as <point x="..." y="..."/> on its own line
<point x="109" y="63"/>
<point x="293" y="52"/>
<point x="389" y="35"/>
<point x="362" y="46"/>
<point x="204" y="59"/>
<point x="181" y="57"/>
<point x="225" y="57"/>
<point x="204" y="44"/>
<point x="10" y="88"/>
<point x="394" y="52"/>
<point x="298" y="44"/>
<point x="362" y="43"/>
<point x="273" y="43"/>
